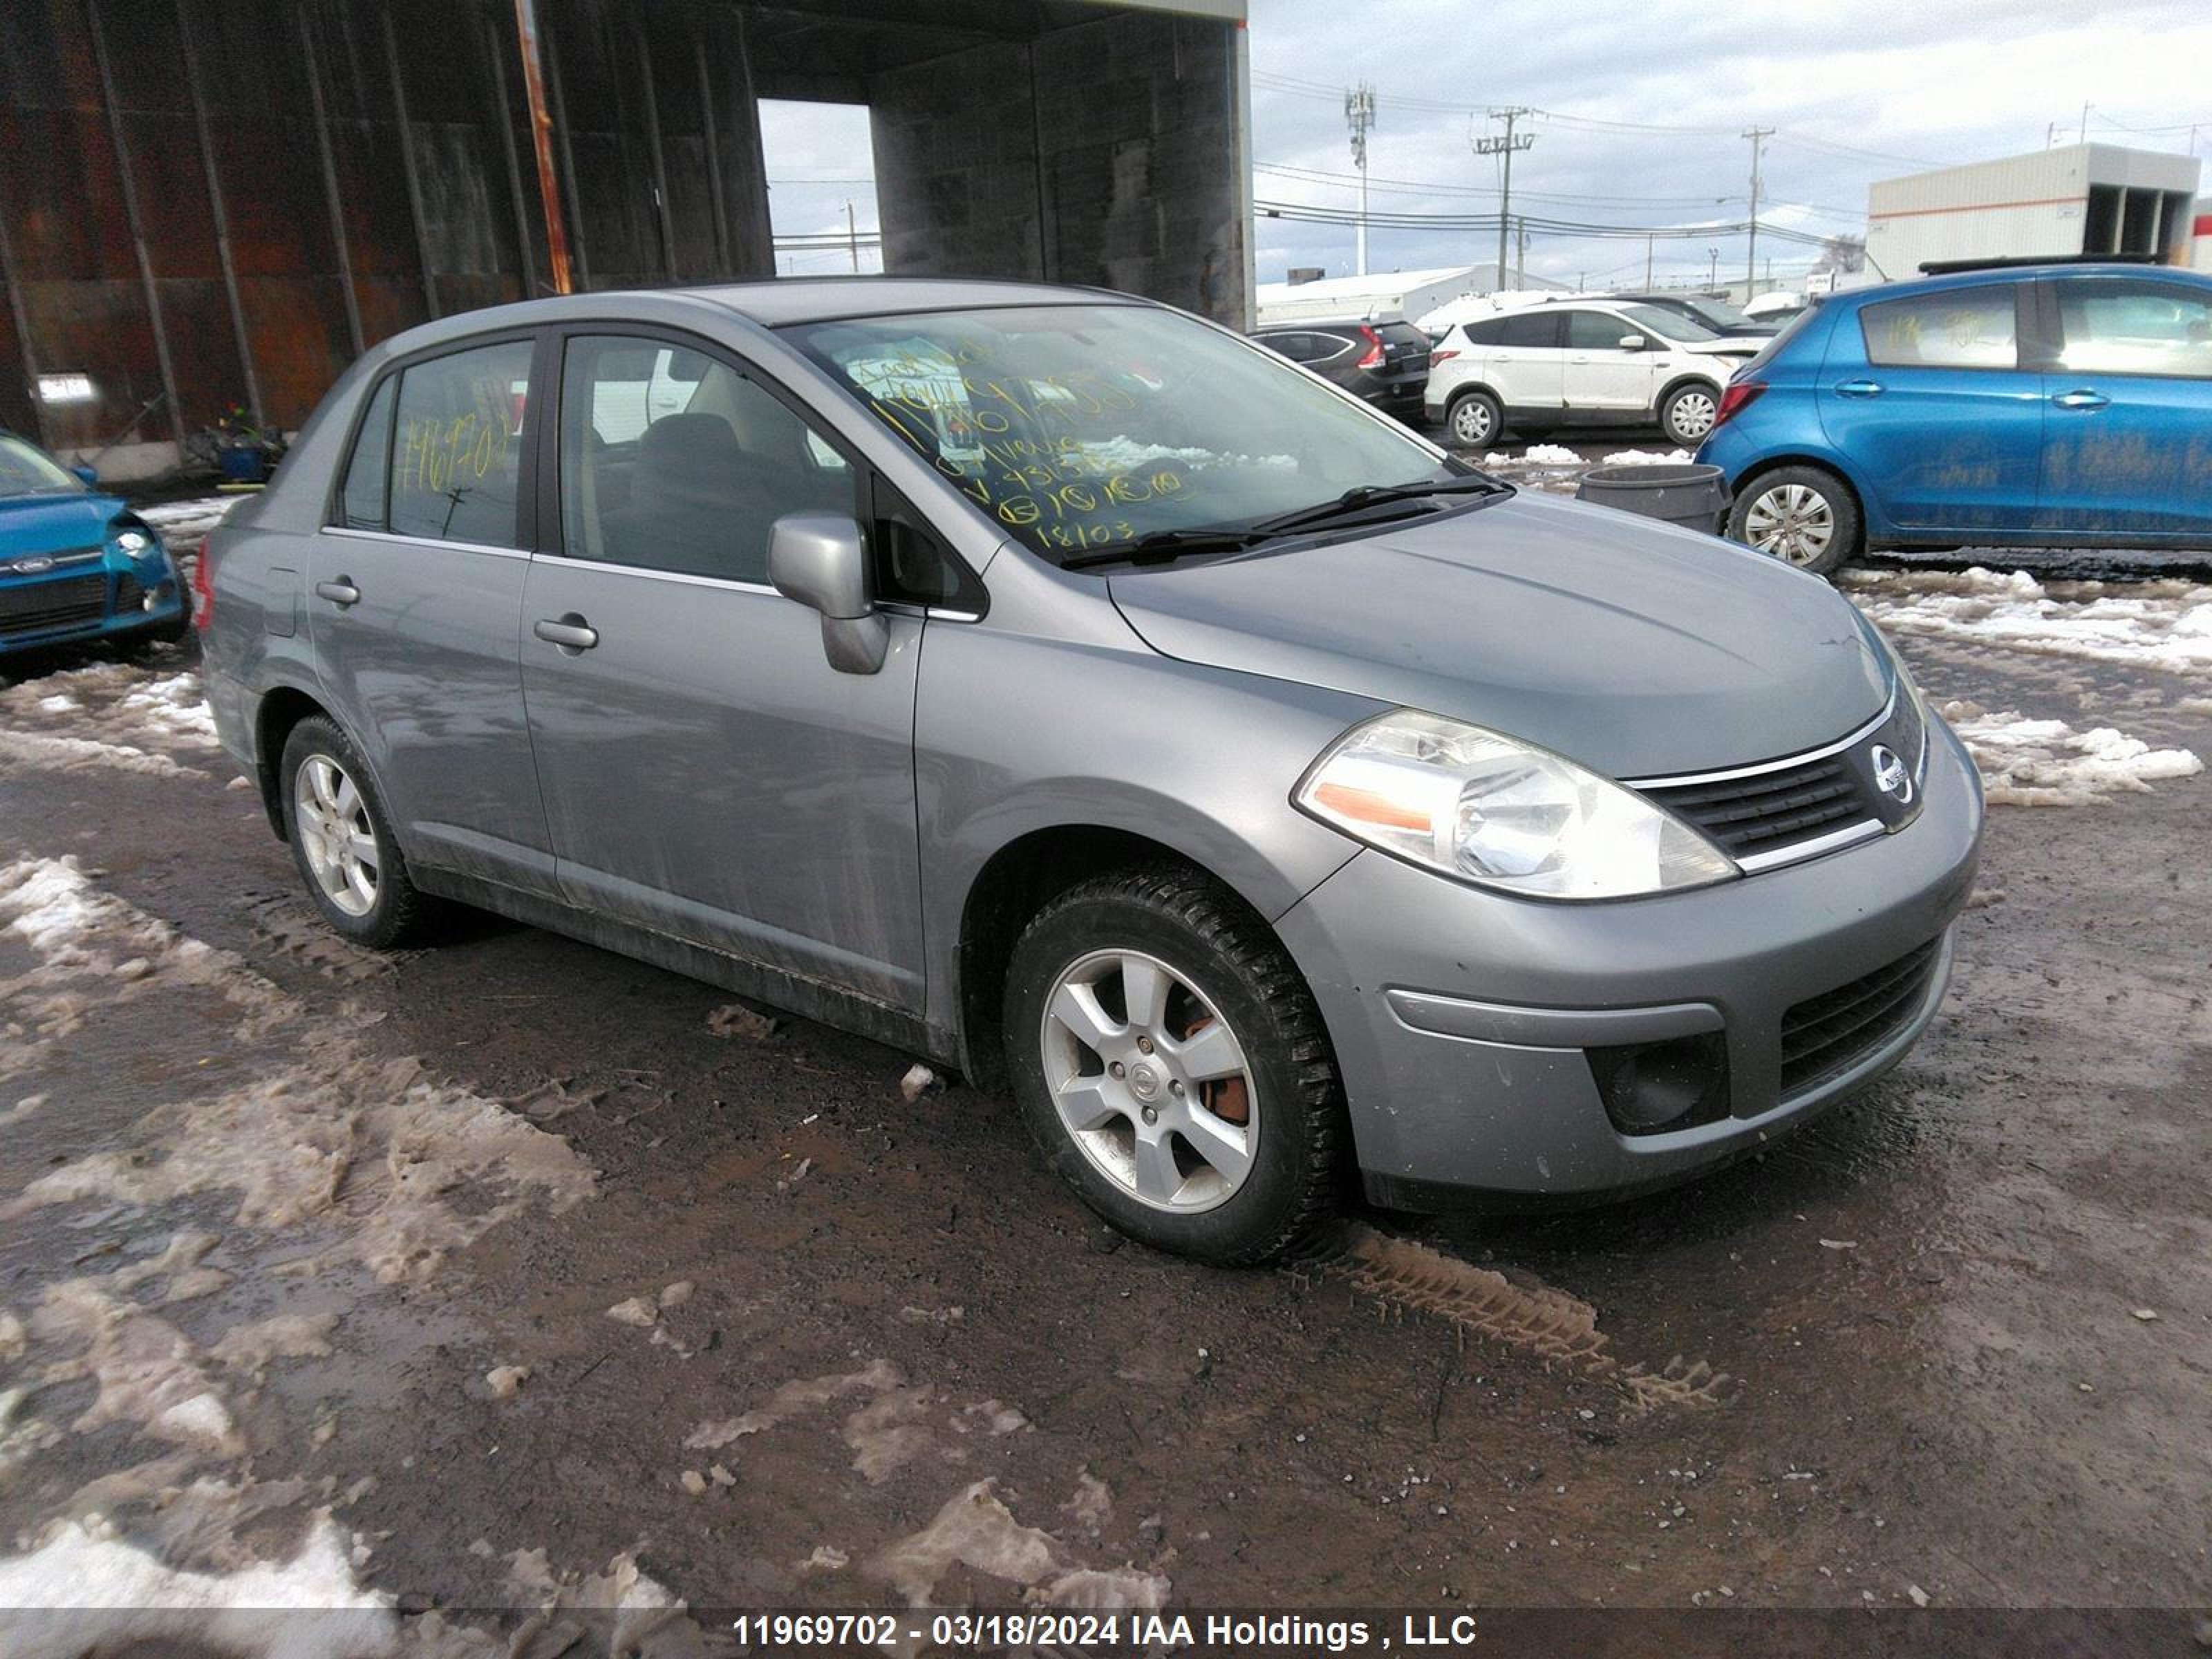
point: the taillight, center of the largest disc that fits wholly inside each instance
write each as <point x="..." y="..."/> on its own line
<point x="203" y="585"/>
<point x="1372" y="358"/>
<point x="1737" y="397"/>
<point x="1442" y="355"/>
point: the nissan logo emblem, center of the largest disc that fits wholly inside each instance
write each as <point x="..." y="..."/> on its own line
<point x="1891" y="775"/>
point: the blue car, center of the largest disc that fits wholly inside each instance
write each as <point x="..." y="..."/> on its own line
<point x="2062" y="405"/>
<point x="76" y="565"/>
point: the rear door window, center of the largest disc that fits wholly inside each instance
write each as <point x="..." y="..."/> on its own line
<point x="1953" y="328"/>
<point x="1532" y="329"/>
<point x="2108" y="327"/>
<point x="457" y="447"/>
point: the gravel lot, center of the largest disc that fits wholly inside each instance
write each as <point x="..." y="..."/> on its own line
<point x="514" y="1275"/>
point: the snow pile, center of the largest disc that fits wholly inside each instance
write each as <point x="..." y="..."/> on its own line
<point x="175" y="706"/>
<point x="1535" y="455"/>
<point x="185" y="524"/>
<point x="2025" y="762"/>
<point x="2164" y="625"/>
<point x="1648" y="458"/>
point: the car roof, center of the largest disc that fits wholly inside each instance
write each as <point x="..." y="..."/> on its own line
<point x="2070" y="268"/>
<point x="820" y="298"/>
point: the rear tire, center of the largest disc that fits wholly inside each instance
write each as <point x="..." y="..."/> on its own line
<point x="1803" y="515"/>
<point x="1220" y="1144"/>
<point x="342" y="841"/>
<point x="1476" y="419"/>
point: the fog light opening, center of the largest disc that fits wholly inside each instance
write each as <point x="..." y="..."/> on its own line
<point x="1656" y="1088"/>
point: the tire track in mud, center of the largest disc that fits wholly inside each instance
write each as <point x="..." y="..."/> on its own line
<point x="299" y="935"/>
<point x="1403" y="1276"/>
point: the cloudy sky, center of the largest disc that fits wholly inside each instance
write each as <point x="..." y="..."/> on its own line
<point x="1641" y="111"/>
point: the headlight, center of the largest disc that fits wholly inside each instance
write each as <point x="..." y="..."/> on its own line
<point x="1479" y="806"/>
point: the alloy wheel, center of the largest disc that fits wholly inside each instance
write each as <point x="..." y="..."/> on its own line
<point x="336" y="835"/>
<point x="1792" y="521"/>
<point x="1470" y="421"/>
<point x="1149" y="1081"/>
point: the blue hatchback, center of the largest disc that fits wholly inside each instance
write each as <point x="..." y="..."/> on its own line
<point x="76" y="564"/>
<point x="2065" y="404"/>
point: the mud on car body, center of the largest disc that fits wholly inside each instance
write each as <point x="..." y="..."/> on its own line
<point x="1087" y="698"/>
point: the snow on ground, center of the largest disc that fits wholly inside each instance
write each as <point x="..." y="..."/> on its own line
<point x="2029" y="762"/>
<point x="2165" y="623"/>
<point x="1535" y="455"/>
<point x="185" y="524"/>
<point x="122" y="716"/>
<point x="1648" y="458"/>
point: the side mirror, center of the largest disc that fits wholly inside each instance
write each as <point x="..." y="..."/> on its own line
<point x="819" y="560"/>
<point x="90" y="477"/>
<point x="1631" y="342"/>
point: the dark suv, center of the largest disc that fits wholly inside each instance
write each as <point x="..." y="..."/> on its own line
<point x="1386" y="363"/>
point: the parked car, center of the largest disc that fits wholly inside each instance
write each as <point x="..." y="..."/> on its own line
<point x="1280" y="796"/>
<point x="1776" y="306"/>
<point x="1580" y="362"/>
<point x="75" y="563"/>
<point x="2064" y="405"/>
<point x="1386" y="363"/>
<point x="1716" y="314"/>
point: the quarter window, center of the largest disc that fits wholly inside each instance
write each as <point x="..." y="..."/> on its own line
<point x="360" y="505"/>
<point x="457" y="445"/>
<point x="672" y="460"/>
<point x="2135" y="328"/>
<point x="1958" y="328"/>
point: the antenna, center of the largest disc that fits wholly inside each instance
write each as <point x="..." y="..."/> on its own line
<point x="1359" y="116"/>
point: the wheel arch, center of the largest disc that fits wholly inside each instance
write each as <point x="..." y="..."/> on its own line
<point x="1765" y="464"/>
<point x="281" y="709"/>
<point x="1013" y="885"/>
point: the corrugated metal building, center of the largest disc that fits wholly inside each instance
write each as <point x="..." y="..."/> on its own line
<point x="219" y="203"/>
<point x="2077" y="198"/>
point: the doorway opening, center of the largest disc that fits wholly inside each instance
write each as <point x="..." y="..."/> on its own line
<point x="821" y="188"/>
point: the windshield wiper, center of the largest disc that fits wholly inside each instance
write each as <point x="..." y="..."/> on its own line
<point x="1366" y="495"/>
<point x="1164" y="546"/>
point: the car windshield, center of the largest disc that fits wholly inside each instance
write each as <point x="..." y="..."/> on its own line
<point x="1669" y="325"/>
<point x="25" y="470"/>
<point x="1089" y="426"/>
<point x="1719" y="312"/>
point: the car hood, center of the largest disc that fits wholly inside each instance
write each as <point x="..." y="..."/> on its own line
<point x="1638" y="649"/>
<point x="53" y="524"/>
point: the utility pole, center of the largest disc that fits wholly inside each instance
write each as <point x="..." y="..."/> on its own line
<point x="2084" y="138"/>
<point x="1504" y="144"/>
<point x="1712" y="267"/>
<point x="1758" y="136"/>
<point x="1651" y="246"/>
<point x="1359" y="116"/>
<point x="853" y="237"/>
<point x="1521" y="254"/>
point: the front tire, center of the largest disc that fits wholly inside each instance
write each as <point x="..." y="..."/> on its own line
<point x="1803" y="515"/>
<point x="1687" y="413"/>
<point x="1476" y="419"/>
<point x="1173" y="1067"/>
<point x="342" y="841"/>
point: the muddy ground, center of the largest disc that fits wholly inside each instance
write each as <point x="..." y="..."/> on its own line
<point x="513" y="1274"/>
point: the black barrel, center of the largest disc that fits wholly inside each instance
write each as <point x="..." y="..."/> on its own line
<point x="1686" y="493"/>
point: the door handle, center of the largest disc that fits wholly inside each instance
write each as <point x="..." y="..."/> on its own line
<point x="1859" y="389"/>
<point x="2081" y="398"/>
<point x="340" y="592"/>
<point x="571" y="633"/>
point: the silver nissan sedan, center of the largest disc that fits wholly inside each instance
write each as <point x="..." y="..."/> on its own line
<point x="1064" y="688"/>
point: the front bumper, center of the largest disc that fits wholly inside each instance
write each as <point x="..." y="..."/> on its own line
<point x="1463" y="1019"/>
<point x="131" y="602"/>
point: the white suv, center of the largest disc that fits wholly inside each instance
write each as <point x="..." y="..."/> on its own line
<point x="1577" y="360"/>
